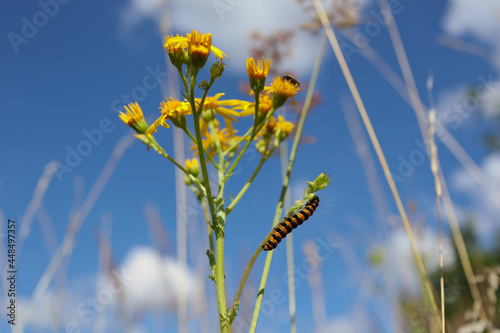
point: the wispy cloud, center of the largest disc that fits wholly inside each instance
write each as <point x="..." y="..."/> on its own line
<point x="399" y="255"/>
<point x="482" y="209"/>
<point x="154" y="282"/>
<point x="231" y="24"/>
<point x="478" y="19"/>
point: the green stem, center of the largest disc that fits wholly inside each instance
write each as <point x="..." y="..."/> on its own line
<point x="289" y="249"/>
<point x="151" y="142"/>
<point x="264" y="158"/>
<point x="220" y="277"/>
<point x="218" y="218"/>
<point x="184" y="82"/>
<point x="254" y="133"/>
<point x="199" y="145"/>
<point x="250" y="131"/>
<point x="218" y="147"/>
<point x="247" y="271"/>
<point x="279" y="206"/>
<point x="210" y="234"/>
<point x="240" y="140"/>
<point x="186" y="130"/>
<point x="257" y="113"/>
<point x="220" y="281"/>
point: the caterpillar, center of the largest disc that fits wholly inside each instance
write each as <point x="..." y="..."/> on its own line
<point x="289" y="223"/>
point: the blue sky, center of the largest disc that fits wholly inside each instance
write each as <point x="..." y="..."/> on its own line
<point x="65" y="80"/>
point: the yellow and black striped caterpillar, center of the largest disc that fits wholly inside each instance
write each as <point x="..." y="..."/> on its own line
<point x="289" y="223"/>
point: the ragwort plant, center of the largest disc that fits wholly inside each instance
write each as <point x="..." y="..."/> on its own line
<point x="216" y="141"/>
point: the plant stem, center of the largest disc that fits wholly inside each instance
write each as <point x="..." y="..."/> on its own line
<point x="279" y="206"/>
<point x="218" y="147"/>
<point x="217" y="220"/>
<point x="151" y="142"/>
<point x="186" y="130"/>
<point x="254" y="133"/>
<point x="230" y="208"/>
<point x="376" y="144"/>
<point x="220" y="277"/>
<point x="289" y="249"/>
<point x="248" y="268"/>
<point x="210" y="233"/>
<point x="240" y="140"/>
<point x="251" y="130"/>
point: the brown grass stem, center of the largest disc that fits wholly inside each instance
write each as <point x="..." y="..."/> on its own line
<point x="366" y="120"/>
<point x="66" y="247"/>
<point x="422" y="120"/>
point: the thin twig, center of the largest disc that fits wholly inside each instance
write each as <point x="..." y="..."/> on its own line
<point x="289" y="248"/>
<point x="366" y="120"/>
<point x="449" y="141"/>
<point x="66" y="247"/>
<point x="456" y="149"/>
<point x="437" y="185"/>
<point x="293" y="152"/>
<point x="36" y="200"/>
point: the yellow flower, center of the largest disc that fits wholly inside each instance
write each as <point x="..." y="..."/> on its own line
<point x="280" y="129"/>
<point x="282" y="89"/>
<point x="270" y="125"/>
<point x="213" y="105"/>
<point x="225" y="139"/>
<point x="265" y="103"/>
<point x="193" y="166"/>
<point x="260" y="70"/>
<point x="199" y="46"/>
<point x="257" y="73"/>
<point x="177" y="54"/>
<point x="283" y="126"/>
<point x="134" y="118"/>
<point x="191" y="163"/>
<point x="173" y="110"/>
<point x="248" y="108"/>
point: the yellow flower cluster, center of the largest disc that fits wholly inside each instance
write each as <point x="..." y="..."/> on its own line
<point x="277" y="129"/>
<point x="192" y="51"/>
<point x="198" y="46"/>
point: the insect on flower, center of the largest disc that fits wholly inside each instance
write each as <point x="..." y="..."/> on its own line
<point x="291" y="79"/>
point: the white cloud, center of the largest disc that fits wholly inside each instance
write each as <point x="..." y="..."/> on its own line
<point x="145" y="281"/>
<point x="475" y="17"/>
<point x="483" y="208"/>
<point x="57" y="310"/>
<point x="41" y="317"/>
<point x="455" y="110"/>
<point x="478" y="19"/>
<point x="399" y="255"/>
<point x="342" y="324"/>
<point x="231" y="23"/>
<point x="491" y="102"/>
<point x="154" y="282"/>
